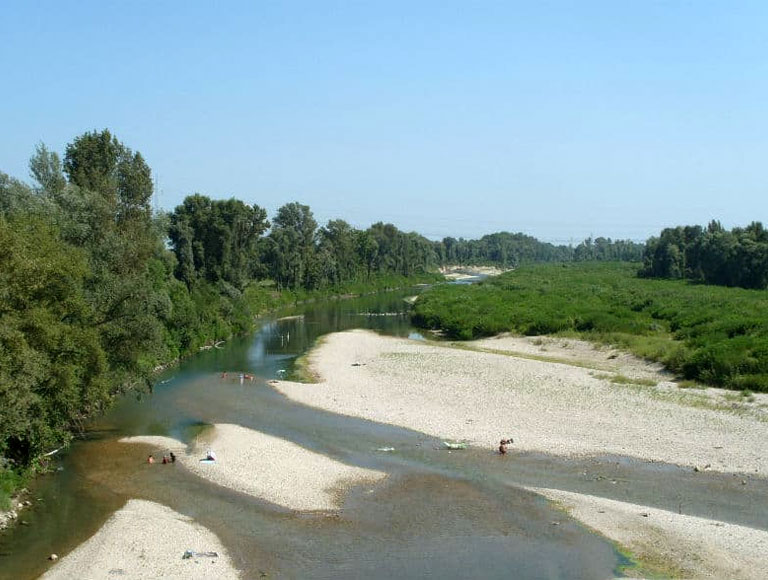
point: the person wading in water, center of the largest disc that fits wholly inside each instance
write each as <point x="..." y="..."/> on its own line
<point x="503" y="445"/>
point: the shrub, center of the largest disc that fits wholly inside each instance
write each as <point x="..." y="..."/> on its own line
<point x="711" y="334"/>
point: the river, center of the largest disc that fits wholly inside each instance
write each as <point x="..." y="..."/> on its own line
<point x="439" y="514"/>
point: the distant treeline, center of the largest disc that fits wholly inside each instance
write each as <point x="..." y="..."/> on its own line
<point x="510" y="250"/>
<point x="711" y="255"/>
<point x="96" y="291"/>
<point x="223" y="241"/>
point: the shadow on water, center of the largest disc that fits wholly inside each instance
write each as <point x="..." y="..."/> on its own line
<point x="441" y="514"/>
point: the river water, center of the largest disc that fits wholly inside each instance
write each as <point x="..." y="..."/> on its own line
<point x="440" y="514"/>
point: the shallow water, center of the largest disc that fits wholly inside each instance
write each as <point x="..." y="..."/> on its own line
<point x="443" y="514"/>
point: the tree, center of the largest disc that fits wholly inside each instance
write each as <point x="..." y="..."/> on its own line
<point x="105" y="210"/>
<point x="45" y="168"/>
<point x="91" y="161"/>
<point x="15" y="196"/>
<point x="337" y="242"/>
<point x="216" y="240"/>
<point x="52" y="366"/>
<point x="712" y="255"/>
<point x="368" y="250"/>
<point x="293" y="245"/>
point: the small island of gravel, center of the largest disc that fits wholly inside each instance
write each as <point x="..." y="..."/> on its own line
<point x="147" y="540"/>
<point x="266" y="467"/>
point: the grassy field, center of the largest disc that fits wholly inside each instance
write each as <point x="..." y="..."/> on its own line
<point x="711" y="334"/>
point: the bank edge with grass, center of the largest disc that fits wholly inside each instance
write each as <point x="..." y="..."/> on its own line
<point x="709" y="334"/>
<point x="212" y="325"/>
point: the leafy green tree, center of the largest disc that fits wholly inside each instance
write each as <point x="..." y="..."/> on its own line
<point x="52" y="365"/>
<point x="293" y="245"/>
<point x="105" y="209"/>
<point x="712" y="255"/>
<point x="216" y="240"/>
<point x="15" y="197"/>
<point x="46" y="169"/>
<point x="368" y="250"/>
<point x="337" y="246"/>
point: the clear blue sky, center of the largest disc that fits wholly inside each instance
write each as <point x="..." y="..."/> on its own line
<point x="558" y="119"/>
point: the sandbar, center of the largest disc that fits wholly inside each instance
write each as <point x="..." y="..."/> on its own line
<point x="147" y="540"/>
<point x="571" y="407"/>
<point x="680" y="545"/>
<point x="266" y="467"/>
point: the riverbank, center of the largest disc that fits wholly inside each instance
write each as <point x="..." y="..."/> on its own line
<point x="147" y="540"/>
<point x="10" y="515"/>
<point x="572" y="407"/>
<point x="670" y="544"/>
<point x="270" y="302"/>
<point x="560" y="397"/>
<point x="709" y="334"/>
<point x="266" y="467"/>
<point x="470" y="272"/>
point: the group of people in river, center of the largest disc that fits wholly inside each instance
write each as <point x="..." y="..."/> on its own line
<point x="242" y="376"/>
<point x="170" y="458"/>
<point x="210" y="455"/>
<point x="503" y="445"/>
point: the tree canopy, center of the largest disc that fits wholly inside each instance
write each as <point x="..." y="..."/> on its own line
<point x="711" y="255"/>
<point x="509" y="250"/>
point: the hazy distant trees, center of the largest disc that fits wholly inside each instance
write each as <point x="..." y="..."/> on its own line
<point x="506" y="249"/>
<point x="712" y="255"/>
<point x="396" y="252"/>
<point x="338" y="252"/>
<point x="606" y="250"/>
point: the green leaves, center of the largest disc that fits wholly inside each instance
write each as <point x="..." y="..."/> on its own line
<point x="49" y="359"/>
<point x="91" y="300"/>
<point x="79" y="309"/>
<point x="714" y="255"/>
<point x="715" y="335"/>
<point x="216" y="240"/>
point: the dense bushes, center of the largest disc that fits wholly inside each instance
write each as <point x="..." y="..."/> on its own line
<point x="715" y="335"/>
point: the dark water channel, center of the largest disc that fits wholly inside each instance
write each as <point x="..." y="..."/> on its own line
<point x="439" y="514"/>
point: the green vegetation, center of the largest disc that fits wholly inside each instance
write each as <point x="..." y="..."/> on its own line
<point x="649" y="564"/>
<point x="300" y="371"/>
<point x="505" y="249"/>
<point x="624" y="380"/>
<point x="710" y="334"/>
<point x="712" y="255"/>
<point x="10" y="481"/>
<point x="96" y="291"/>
